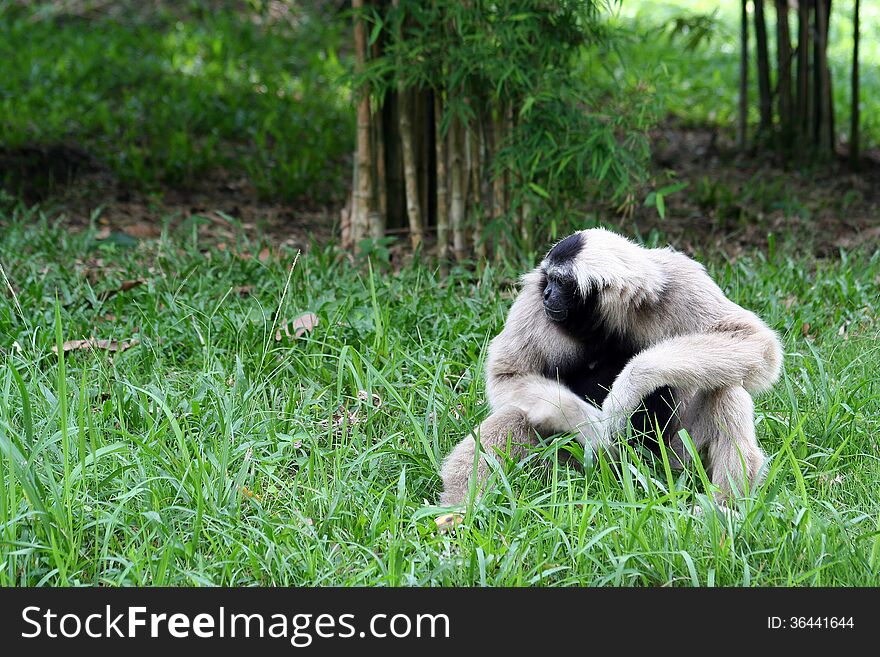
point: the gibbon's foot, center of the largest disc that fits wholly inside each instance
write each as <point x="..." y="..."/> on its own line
<point x="504" y="434"/>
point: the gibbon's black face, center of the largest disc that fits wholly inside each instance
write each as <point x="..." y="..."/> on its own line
<point x="561" y="295"/>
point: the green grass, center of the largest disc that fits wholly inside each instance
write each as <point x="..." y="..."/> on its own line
<point x="166" y="101"/>
<point x="701" y="86"/>
<point x="212" y="454"/>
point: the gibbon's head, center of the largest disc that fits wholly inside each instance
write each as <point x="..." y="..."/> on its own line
<point x="597" y="269"/>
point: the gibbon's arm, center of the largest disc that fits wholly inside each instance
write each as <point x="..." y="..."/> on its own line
<point x="747" y="355"/>
<point x="550" y="406"/>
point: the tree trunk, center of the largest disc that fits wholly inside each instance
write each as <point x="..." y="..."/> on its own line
<point x="802" y="99"/>
<point x="763" y="68"/>
<point x="742" y="123"/>
<point x="360" y="219"/>
<point x="816" y="77"/>
<point x="854" y="116"/>
<point x="824" y="105"/>
<point x="442" y="180"/>
<point x="783" y="84"/>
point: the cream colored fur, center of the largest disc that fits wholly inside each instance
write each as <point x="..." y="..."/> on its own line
<point x="690" y="336"/>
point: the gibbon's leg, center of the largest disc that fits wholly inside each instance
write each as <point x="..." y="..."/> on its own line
<point x="550" y="407"/>
<point x="692" y="363"/>
<point x="691" y="412"/>
<point x="727" y="429"/>
<point x="507" y="431"/>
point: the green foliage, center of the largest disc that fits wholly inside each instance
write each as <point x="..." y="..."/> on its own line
<point x="690" y="50"/>
<point x="692" y="30"/>
<point x="213" y="454"/>
<point x="163" y="101"/>
<point x="657" y="198"/>
<point x="566" y="139"/>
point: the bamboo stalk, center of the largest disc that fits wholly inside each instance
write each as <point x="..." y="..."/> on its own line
<point x="526" y="229"/>
<point x="456" y="208"/>
<point x="420" y="122"/>
<point x="479" y="238"/>
<point x="410" y="174"/>
<point x="498" y="178"/>
<point x="442" y="180"/>
<point x="476" y="205"/>
<point x="485" y="179"/>
<point x="346" y="242"/>
<point x="508" y="175"/>
<point x="364" y="191"/>
<point x="470" y="167"/>
<point x="377" y="119"/>
<point x="379" y="217"/>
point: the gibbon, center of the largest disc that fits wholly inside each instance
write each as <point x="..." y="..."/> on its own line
<point x="606" y="332"/>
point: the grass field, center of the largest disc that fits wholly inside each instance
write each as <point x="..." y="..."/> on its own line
<point x="160" y="99"/>
<point x="212" y="453"/>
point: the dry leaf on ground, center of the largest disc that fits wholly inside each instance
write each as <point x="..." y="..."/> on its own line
<point x="142" y="230"/>
<point x="303" y="324"/>
<point x="125" y="287"/>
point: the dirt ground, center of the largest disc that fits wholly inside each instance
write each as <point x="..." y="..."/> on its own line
<point x="731" y="201"/>
<point x="72" y="187"/>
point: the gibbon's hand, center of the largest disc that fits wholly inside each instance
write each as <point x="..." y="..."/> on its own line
<point x="616" y="411"/>
<point x="592" y="433"/>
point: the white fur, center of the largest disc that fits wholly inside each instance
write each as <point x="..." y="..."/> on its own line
<point x="689" y="336"/>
